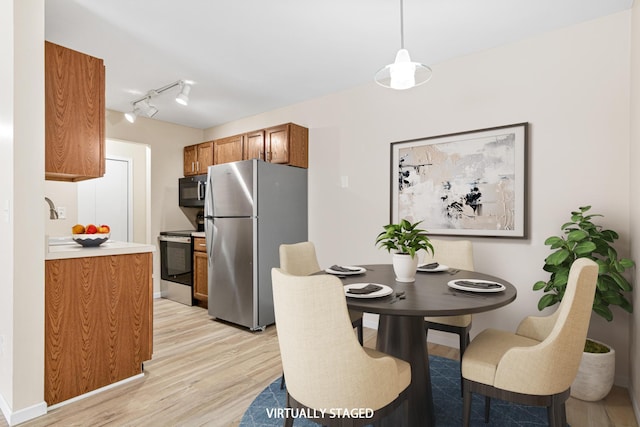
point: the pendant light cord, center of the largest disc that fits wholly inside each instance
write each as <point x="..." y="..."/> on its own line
<point x="401" y="26"/>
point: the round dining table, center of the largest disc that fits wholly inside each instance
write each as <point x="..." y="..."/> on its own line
<point x="401" y="330"/>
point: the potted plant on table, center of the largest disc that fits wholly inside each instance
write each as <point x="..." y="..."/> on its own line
<point x="405" y="239"/>
<point x="584" y="239"/>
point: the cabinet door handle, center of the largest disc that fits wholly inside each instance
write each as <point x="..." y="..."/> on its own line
<point x="197" y="166"/>
<point x="202" y="244"/>
<point x="193" y="166"/>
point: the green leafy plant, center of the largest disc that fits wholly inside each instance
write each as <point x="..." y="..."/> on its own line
<point x="584" y="239"/>
<point x="404" y="238"/>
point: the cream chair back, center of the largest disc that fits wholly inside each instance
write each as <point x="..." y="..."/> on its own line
<point x="452" y="253"/>
<point x="299" y="259"/>
<point x="323" y="362"/>
<point x="551" y="366"/>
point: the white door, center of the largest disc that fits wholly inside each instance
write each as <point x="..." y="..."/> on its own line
<point x="107" y="200"/>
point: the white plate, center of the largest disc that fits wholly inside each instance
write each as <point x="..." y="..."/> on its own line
<point x="359" y="270"/>
<point x="455" y="284"/>
<point x="440" y="267"/>
<point x="386" y="290"/>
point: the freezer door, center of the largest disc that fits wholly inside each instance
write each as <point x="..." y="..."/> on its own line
<point x="230" y="190"/>
<point x="231" y="270"/>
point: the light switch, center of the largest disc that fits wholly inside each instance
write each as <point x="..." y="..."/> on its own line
<point x="62" y="212"/>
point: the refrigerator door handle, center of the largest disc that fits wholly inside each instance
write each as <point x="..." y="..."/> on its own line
<point x="208" y="198"/>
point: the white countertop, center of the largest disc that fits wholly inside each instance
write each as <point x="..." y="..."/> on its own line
<point x="74" y="250"/>
<point x="198" y="234"/>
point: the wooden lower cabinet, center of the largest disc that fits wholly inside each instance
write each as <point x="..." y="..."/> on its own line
<point x="98" y="322"/>
<point x="200" y="272"/>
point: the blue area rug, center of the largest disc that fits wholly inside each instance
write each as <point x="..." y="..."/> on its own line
<point x="447" y="402"/>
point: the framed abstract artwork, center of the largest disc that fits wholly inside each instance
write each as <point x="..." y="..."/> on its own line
<point x="468" y="183"/>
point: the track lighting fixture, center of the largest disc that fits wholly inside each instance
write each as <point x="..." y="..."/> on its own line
<point x="143" y="107"/>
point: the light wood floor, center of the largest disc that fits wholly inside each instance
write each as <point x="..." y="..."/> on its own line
<point x="206" y="373"/>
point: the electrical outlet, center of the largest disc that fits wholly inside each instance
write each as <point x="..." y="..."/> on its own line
<point x="62" y="212"/>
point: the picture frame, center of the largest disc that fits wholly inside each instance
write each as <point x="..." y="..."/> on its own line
<point x="470" y="183"/>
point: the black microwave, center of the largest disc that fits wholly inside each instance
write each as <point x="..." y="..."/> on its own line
<point x="191" y="191"/>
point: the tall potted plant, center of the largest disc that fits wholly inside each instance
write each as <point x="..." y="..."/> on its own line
<point x="405" y="239"/>
<point x="584" y="239"/>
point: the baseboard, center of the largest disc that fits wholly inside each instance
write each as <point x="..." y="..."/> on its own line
<point x="96" y="391"/>
<point x="26" y="414"/>
<point x="634" y="402"/>
<point x="370" y="320"/>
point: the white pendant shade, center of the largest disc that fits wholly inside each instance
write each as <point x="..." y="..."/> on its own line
<point x="403" y="73"/>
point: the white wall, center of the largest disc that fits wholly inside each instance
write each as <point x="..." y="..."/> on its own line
<point x="65" y="194"/>
<point x="634" y="158"/>
<point x="571" y="85"/>
<point x="21" y="198"/>
<point x="166" y="141"/>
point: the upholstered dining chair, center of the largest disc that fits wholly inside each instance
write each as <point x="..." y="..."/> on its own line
<point x="537" y="364"/>
<point x="299" y="259"/>
<point x="326" y="368"/>
<point x="456" y="254"/>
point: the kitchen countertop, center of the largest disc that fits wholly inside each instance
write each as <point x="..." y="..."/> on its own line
<point x="198" y="234"/>
<point x="74" y="250"/>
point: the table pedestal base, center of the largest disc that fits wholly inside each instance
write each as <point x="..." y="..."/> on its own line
<point x="404" y="337"/>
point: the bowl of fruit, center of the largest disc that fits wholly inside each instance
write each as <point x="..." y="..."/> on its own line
<point x="91" y="235"/>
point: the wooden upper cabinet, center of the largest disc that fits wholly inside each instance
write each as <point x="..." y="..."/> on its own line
<point x="254" y="145"/>
<point x="205" y="156"/>
<point x="228" y="149"/>
<point x="74" y="115"/>
<point x="190" y="158"/>
<point x="287" y="144"/>
<point x="197" y="158"/>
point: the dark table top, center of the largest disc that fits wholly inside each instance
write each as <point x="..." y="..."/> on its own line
<point x="429" y="295"/>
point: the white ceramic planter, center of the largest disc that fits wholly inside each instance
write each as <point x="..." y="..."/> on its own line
<point x="595" y="376"/>
<point x="405" y="267"/>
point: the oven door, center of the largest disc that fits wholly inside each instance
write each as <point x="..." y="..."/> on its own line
<point x="176" y="268"/>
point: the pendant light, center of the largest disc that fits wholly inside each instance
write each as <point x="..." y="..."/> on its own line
<point x="403" y="73"/>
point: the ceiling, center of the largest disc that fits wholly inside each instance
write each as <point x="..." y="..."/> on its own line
<point x="245" y="57"/>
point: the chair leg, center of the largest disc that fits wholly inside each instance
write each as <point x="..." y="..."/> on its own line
<point x="466" y="404"/>
<point x="464" y="341"/>
<point x="288" y="419"/>
<point x="487" y="409"/>
<point x="360" y="334"/>
<point x="282" y="381"/>
<point x="556" y="412"/>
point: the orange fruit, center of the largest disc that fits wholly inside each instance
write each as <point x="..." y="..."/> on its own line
<point x="77" y="229"/>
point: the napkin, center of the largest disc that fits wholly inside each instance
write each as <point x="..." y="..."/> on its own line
<point x="429" y="266"/>
<point x="343" y="269"/>
<point x="477" y="285"/>
<point x="370" y="288"/>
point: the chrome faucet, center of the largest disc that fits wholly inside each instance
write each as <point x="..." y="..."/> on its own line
<point x="53" y="213"/>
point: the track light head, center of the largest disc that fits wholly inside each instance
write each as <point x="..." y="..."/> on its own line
<point x="183" y="96"/>
<point x="131" y="116"/>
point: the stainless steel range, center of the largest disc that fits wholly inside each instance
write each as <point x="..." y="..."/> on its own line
<point x="176" y="266"/>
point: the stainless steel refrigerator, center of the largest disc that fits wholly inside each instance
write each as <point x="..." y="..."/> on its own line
<point x="251" y="207"/>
